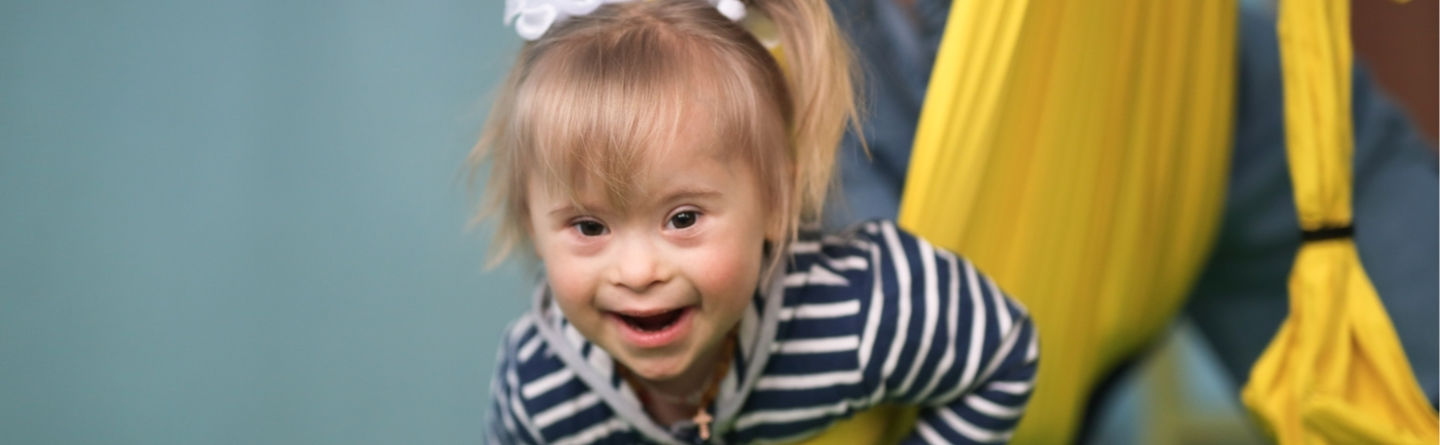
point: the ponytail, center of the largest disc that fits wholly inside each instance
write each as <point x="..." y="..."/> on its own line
<point x="821" y="78"/>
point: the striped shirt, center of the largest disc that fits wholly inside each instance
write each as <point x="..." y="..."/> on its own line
<point x="867" y="316"/>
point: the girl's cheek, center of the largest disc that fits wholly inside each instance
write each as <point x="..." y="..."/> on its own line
<point x="571" y="280"/>
<point x="733" y="266"/>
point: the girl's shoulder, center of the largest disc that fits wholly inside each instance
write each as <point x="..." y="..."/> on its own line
<point x="846" y="264"/>
<point x="874" y="258"/>
<point x="861" y="235"/>
<point x="857" y="246"/>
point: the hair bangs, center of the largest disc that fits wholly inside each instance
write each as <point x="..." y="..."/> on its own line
<point x="589" y="114"/>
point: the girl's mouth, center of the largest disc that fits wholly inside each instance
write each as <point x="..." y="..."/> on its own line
<point x="654" y="322"/>
<point x="654" y="329"/>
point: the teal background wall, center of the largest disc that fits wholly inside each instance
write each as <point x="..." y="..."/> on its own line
<point x="244" y="221"/>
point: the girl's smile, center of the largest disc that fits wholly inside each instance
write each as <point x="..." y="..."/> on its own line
<point x="653" y="329"/>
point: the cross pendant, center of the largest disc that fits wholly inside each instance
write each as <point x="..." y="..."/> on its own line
<point x="702" y="419"/>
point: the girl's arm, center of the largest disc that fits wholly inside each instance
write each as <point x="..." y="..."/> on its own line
<point x="948" y="340"/>
<point x="988" y="410"/>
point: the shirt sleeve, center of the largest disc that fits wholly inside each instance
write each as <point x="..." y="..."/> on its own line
<point x="945" y="338"/>
<point x="506" y="423"/>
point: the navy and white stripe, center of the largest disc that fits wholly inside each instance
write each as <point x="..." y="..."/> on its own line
<point x="873" y="315"/>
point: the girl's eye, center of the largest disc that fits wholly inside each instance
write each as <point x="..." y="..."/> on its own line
<point x="684" y="219"/>
<point x="590" y="228"/>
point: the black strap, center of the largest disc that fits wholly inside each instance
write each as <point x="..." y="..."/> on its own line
<point x="1326" y="233"/>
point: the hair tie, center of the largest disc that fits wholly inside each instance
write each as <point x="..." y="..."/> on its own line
<point x="1328" y="233"/>
<point x="532" y="18"/>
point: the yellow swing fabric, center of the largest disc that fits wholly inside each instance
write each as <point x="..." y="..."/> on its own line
<point x="1335" y="372"/>
<point x="1077" y="152"/>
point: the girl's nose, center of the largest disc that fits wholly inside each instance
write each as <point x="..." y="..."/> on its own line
<point x="640" y="265"/>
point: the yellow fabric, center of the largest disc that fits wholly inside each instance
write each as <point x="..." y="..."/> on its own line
<point x="1077" y="152"/>
<point x="1335" y="372"/>
<point x="884" y="424"/>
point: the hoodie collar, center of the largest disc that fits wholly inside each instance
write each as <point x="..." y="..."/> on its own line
<point x="595" y="367"/>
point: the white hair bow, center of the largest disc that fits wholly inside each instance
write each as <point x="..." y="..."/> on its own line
<point x="533" y="17"/>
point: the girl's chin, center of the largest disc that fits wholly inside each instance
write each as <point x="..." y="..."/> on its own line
<point x="658" y="370"/>
<point x="682" y="369"/>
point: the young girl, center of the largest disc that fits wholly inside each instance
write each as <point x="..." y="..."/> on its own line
<point x="661" y="163"/>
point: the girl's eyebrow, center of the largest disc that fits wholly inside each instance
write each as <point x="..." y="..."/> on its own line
<point x="569" y="207"/>
<point x="690" y="193"/>
<point x="566" y="208"/>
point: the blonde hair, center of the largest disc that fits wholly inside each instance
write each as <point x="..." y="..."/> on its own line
<point x="586" y="100"/>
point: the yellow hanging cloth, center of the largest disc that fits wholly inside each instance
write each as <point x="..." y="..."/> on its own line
<point x="1335" y="372"/>
<point x="1077" y="152"/>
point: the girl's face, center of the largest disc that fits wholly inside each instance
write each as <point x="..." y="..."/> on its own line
<point x="659" y="283"/>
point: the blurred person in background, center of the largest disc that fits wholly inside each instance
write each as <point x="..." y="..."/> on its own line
<point x="1241" y="297"/>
